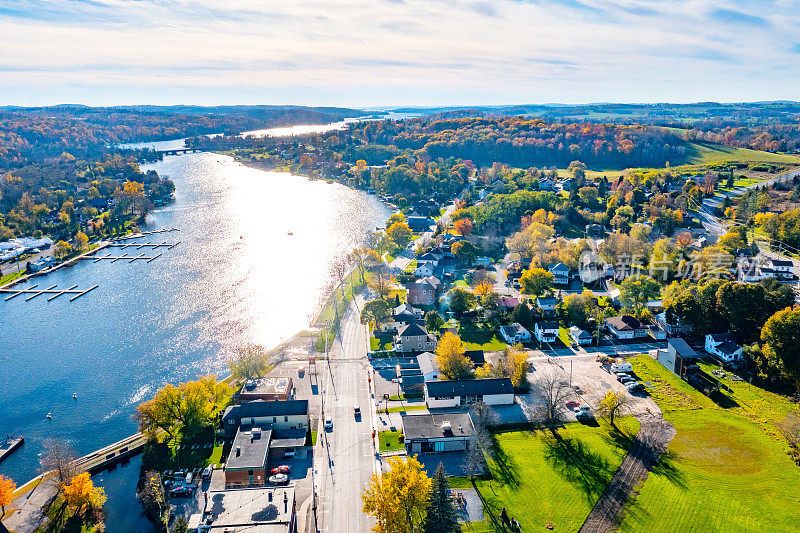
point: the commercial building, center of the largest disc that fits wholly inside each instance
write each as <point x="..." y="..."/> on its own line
<point x="267" y="389"/>
<point x="443" y="394"/>
<point x="436" y="433"/>
<point x="254" y="510"/>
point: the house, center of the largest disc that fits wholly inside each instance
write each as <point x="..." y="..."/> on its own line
<point x="724" y="347"/>
<point x="248" y="458"/>
<point x="405" y="313"/>
<point x="662" y="322"/>
<point x="425" y="269"/>
<point x="262" y="509"/>
<point x="595" y="231"/>
<point x="424" y="291"/>
<point x="560" y="273"/>
<point x="267" y="389"/>
<point x="430" y="257"/>
<point x="414" y="338"/>
<point x="442" y="394"/>
<point x="507" y="303"/>
<point x="626" y="327"/>
<point x="419" y="223"/>
<point x="476" y="356"/>
<point x="779" y="268"/>
<point x="288" y="415"/>
<point x="514" y="333"/>
<point x="679" y="357"/>
<point x="546" y="184"/>
<point x="547" y="303"/>
<point x="485" y="262"/>
<point x="428" y="367"/>
<point x="437" y="433"/>
<point x="546" y="331"/>
<point x="583" y="338"/>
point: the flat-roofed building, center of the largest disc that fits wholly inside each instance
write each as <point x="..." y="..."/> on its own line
<point x="251" y="510"/>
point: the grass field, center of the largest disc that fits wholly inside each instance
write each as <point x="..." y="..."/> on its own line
<point x="544" y="478"/>
<point x="726" y="469"/>
<point x="389" y="440"/>
<point x="705" y="154"/>
<point x="482" y="340"/>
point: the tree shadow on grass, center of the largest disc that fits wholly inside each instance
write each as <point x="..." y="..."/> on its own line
<point x="578" y="465"/>
<point x="505" y="468"/>
<point x="493" y="511"/>
<point x="666" y="467"/>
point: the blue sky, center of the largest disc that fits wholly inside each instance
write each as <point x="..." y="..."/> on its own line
<point x="397" y="52"/>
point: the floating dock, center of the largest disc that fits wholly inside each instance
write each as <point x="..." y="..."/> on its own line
<point x="127" y="257"/>
<point x="10" y="444"/>
<point x="139" y="245"/>
<point x="145" y="234"/>
<point x="34" y="292"/>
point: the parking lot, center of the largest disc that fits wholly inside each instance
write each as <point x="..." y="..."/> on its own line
<point x="590" y="381"/>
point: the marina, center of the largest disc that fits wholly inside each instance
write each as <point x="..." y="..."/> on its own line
<point x="56" y="292"/>
<point x="9" y="445"/>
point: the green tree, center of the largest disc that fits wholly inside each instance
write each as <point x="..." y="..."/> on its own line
<point x="375" y="311"/>
<point x="636" y="291"/>
<point x="441" y="516"/>
<point x="464" y="251"/>
<point x="433" y="321"/>
<point x="536" y="281"/>
<point x="781" y="338"/>
<point x="461" y="300"/>
<point x="250" y="361"/>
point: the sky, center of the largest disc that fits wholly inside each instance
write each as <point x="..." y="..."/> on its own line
<point x="397" y="52"/>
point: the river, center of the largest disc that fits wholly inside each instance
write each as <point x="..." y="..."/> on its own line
<point x="236" y="277"/>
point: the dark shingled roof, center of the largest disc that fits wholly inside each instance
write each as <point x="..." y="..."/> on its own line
<point x="412" y="330"/>
<point x="262" y="408"/>
<point x="469" y="387"/>
<point x="623" y="323"/>
<point x="430" y="426"/>
<point x="682" y="348"/>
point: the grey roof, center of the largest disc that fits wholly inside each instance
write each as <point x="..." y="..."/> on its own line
<point x="547" y="324"/>
<point x="513" y="329"/>
<point x="781" y="262"/>
<point x="623" y="323"/>
<point x="722" y="337"/>
<point x="728" y="347"/>
<point x="412" y="330"/>
<point x="253" y="448"/>
<point x="262" y="408"/>
<point x="266" y="510"/>
<point x="546" y="300"/>
<point x="476" y="356"/>
<point x="469" y="387"/>
<point x="429" y="426"/>
<point x="682" y="348"/>
<point x="405" y="308"/>
<point x="575" y="330"/>
<point x="288" y="438"/>
<point x="561" y="267"/>
<point x="427" y="362"/>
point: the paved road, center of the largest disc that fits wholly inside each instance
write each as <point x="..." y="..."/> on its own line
<point x="401" y="261"/>
<point x="611" y="349"/>
<point x="345" y="457"/>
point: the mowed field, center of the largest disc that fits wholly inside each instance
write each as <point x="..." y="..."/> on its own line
<point x="542" y="478"/>
<point x="707" y="153"/>
<point x="726" y="470"/>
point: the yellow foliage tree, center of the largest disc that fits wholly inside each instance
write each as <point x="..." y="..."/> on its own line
<point x="7" y="488"/>
<point x="81" y="240"/>
<point x="81" y="494"/>
<point x="516" y="364"/>
<point x="450" y="357"/>
<point x="398" y="499"/>
<point x="62" y="249"/>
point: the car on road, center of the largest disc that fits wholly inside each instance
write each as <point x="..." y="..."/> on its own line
<point x="207" y="472"/>
<point x="328" y="423"/>
<point x="356" y="411"/>
<point x="572" y="404"/>
<point x="282" y="469"/>
<point x="279" y="479"/>
<point x="181" y="491"/>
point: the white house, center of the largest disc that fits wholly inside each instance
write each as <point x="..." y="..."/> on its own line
<point x="427" y="365"/>
<point x="580" y="336"/>
<point x="723" y="346"/>
<point x="626" y="327"/>
<point x="414" y="338"/>
<point x="424" y="270"/>
<point x="443" y="394"/>
<point x="515" y="333"/>
<point x="778" y="268"/>
<point x="547" y="303"/>
<point x="560" y="273"/>
<point x="546" y="331"/>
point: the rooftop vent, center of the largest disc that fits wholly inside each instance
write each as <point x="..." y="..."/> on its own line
<point x="446" y="427"/>
<point x="250" y="384"/>
<point x="238" y="451"/>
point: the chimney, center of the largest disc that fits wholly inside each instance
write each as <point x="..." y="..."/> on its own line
<point x="238" y="451"/>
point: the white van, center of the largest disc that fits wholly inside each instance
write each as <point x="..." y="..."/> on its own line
<point x="621" y="367"/>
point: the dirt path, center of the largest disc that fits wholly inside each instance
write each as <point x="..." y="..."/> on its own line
<point x="653" y="438"/>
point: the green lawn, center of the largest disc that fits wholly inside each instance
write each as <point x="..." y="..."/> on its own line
<point x="725" y="470"/>
<point x="482" y="340"/>
<point x="390" y="440"/>
<point x="544" y="478"/>
<point x="7" y="278"/>
<point x="563" y="335"/>
<point x="380" y="343"/>
<point x="404" y="408"/>
<point x="705" y="154"/>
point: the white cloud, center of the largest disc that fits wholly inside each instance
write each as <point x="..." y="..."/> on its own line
<point x="396" y="52"/>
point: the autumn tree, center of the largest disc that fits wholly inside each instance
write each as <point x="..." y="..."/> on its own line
<point x="464" y="251"/>
<point x="398" y="499"/>
<point x="441" y="515"/>
<point x="536" y="281"/>
<point x="612" y="404"/>
<point x="183" y="408"/>
<point x="7" y="488"/>
<point x="364" y="258"/>
<point x="375" y="311"/>
<point x="381" y="282"/>
<point x="62" y="249"/>
<point x="450" y="357"/>
<point x="400" y="233"/>
<point x="81" y="494"/>
<point x="781" y="338"/>
<point x="152" y="495"/>
<point x="463" y="227"/>
<point x="81" y="241"/>
<point x="516" y="364"/>
<point x="249" y="361"/>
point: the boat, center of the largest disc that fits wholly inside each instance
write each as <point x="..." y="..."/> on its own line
<point x="289" y="233"/>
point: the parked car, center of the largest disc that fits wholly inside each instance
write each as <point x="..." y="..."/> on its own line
<point x="635" y="386"/>
<point x="279" y="479"/>
<point x="572" y="404"/>
<point x="328" y="423"/>
<point x="207" y="472"/>
<point x="621" y="367"/>
<point x="583" y="411"/>
<point x="301" y="371"/>
<point x="181" y="491"/>
<point x="189" y="478"/>
<point x="282" y="469"/>
<point x="624" y="378"/>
